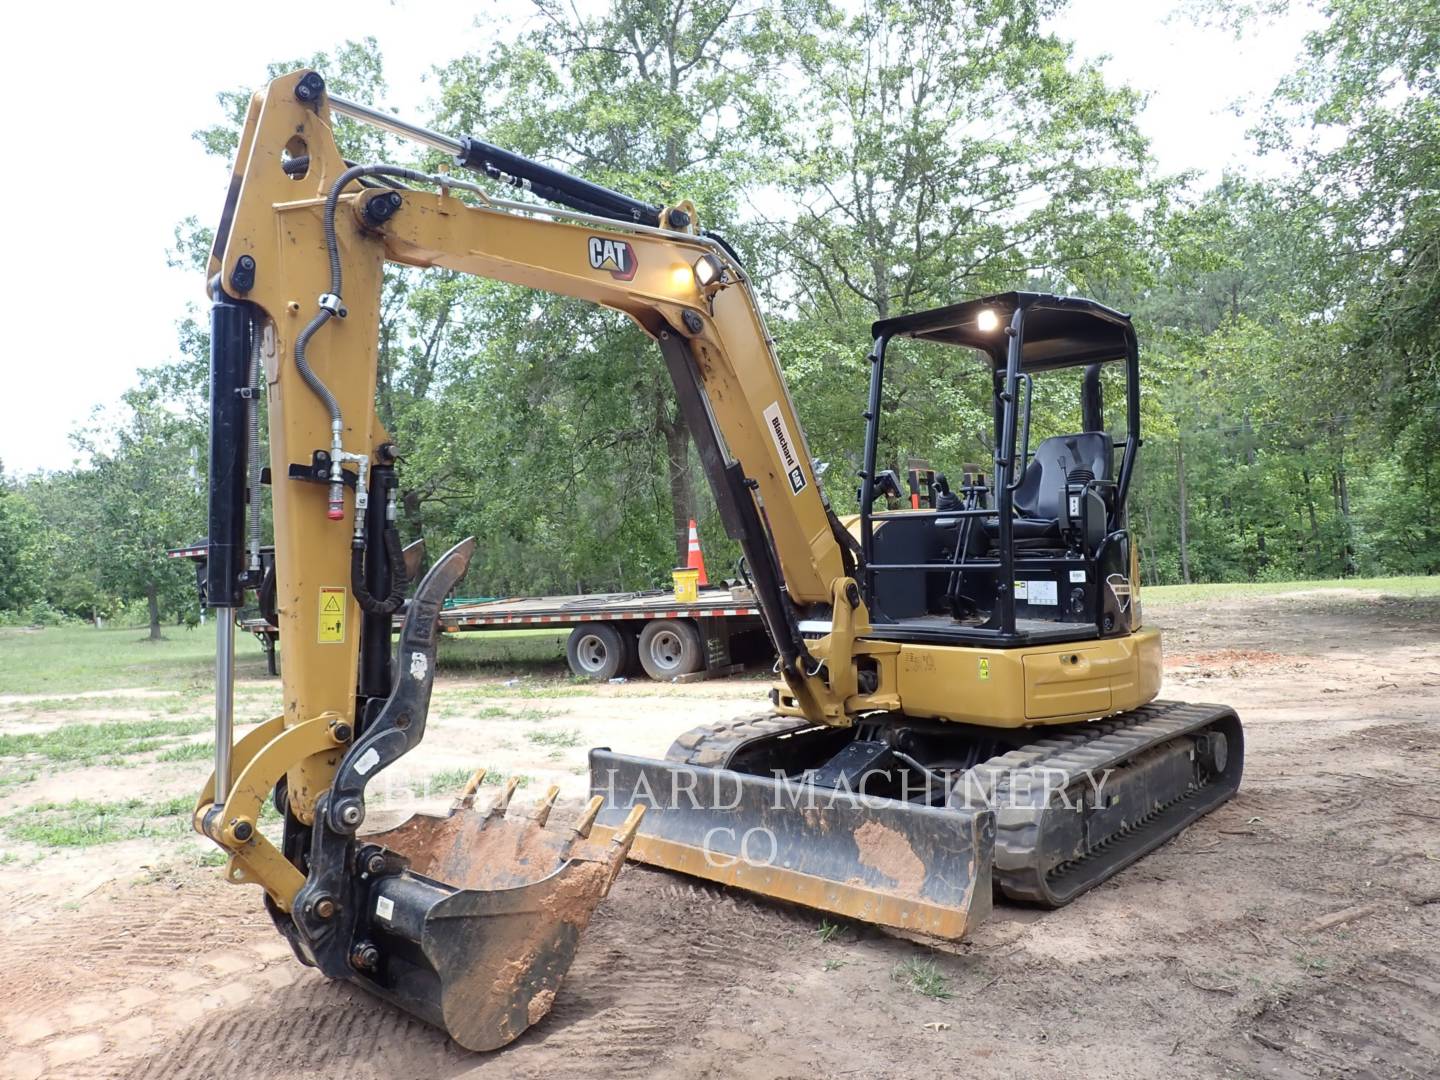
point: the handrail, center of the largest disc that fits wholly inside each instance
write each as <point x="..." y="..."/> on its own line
<point x="1018" y="475"/>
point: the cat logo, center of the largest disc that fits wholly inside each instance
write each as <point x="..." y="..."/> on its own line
<point x="614" y="255"/>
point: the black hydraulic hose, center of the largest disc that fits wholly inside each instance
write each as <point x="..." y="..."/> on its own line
<point x="395" y="552"/>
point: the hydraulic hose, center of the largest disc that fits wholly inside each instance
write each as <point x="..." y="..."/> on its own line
<point x="331" y="306"/>
<point x="396" y="555"/>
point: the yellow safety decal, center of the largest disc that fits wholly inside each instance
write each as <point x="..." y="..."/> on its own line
<point x="984" y="668"/>
<point x="332" y="616"/>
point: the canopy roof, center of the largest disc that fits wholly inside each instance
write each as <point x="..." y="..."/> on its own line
<point x="1060" y="331"/>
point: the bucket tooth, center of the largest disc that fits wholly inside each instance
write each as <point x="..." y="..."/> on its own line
<point x="467" y="793"/>
<point x="546" y="804"/>
<point x="586" y="821"/>
<point x="502" y="804"/>
<point x="622" y="840"/>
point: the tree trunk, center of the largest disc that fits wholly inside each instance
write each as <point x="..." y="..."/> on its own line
<point x="413" y="508"/>
<point x="1342" y="487"/>
<point x="682" y="491"/>
<point x="1184" y="512"/>
<point x="152" y="601"/>
<point x="1147" y="552"/>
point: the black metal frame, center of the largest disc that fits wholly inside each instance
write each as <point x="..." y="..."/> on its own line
<point x="1008" y="373"/>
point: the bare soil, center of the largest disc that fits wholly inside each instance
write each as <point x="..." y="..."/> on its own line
<point x="1293" y="933"/>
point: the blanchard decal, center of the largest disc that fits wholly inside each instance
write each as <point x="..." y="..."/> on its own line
<point x="616" y="256"/>
<point x="786" y="446"/>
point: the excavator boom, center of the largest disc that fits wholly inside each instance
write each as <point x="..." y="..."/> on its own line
<point x="469" y="920"/>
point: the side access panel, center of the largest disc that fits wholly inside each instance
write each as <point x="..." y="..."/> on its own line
<point x="1019" y="687"/>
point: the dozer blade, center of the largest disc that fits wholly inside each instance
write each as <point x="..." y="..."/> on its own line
<point x="899" y="864"/>
<point x="481" y="926"/>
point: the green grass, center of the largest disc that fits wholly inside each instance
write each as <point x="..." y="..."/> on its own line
<point x="194" y="751"/>
<point x="83" y="823"/>
<point x="922" y="977"/>
<point x="96" y="703"/>
<point x="540" y="690"/>
<point x="558" y="739"/>
<point x="490" y="652"/>
<point x="454" y="779"/>
<point x="15" y="775"/>
<point x="1389" y="586"/>
<point x="828" y="930"/>
<point x="65" y="659"/>
<point x="85" y="743"/>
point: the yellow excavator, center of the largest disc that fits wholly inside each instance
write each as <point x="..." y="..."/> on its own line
<point x="964" y="702"/>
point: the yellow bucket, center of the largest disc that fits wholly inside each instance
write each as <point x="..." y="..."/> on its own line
<point x="687" y="586"/>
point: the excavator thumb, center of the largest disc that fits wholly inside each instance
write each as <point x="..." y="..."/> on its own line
<point x="468" y="920"/>
<point x="914" y="867"/>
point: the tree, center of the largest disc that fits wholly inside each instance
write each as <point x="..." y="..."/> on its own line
<point x="145" y="493"/>
<point x="22" y="549"/>
<point x="664" y="101"/>
<point x="941" y="150"/>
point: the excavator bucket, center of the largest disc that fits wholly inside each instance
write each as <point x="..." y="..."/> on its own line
<point x="482" y="923"/>
<point x="913" y="867"/>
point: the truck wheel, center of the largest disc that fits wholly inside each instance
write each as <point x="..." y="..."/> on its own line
<point x="670" y="647"/>
<point x="597" y="651"/>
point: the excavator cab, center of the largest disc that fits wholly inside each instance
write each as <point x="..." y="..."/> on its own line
<point x="1044" y="555"/>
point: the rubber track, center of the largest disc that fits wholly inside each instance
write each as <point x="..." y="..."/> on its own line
<point x="1083" y="750"/>
<point x="714" y="745"/>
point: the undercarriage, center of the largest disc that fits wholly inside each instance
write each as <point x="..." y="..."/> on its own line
<point x="951" y="810"/>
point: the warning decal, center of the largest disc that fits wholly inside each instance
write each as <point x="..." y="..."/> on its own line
<point x="332" y="616"/>
<point x="775" y="423"/>
<point x="984" y="667"/>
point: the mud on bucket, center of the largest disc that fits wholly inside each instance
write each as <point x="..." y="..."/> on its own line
<point x="480" y="923"/>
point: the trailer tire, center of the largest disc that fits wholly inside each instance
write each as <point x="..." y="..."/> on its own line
<point x="670" y="647"/>
<point x="598" y="651"/>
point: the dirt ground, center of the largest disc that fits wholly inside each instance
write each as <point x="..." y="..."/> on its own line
<point x="1293" y="933"/>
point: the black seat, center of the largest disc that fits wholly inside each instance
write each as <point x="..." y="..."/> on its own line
<point x="1041" y="495"/>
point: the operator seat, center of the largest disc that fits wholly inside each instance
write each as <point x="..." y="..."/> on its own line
<point x="1040" y="497"/>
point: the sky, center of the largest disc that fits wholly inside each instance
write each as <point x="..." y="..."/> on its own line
<point x="102" y="101"/>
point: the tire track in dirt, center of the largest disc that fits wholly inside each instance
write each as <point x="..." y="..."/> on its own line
<point x="658" y="959"/>
<point x="1380" y="1020"/>
<point x="84" y="991"/>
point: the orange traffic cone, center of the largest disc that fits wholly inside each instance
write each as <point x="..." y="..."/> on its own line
<point x="695" y="560"/>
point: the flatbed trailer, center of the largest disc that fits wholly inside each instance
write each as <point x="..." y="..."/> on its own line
<point x="612" y="635"/>
<point x="616" y="634"/>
